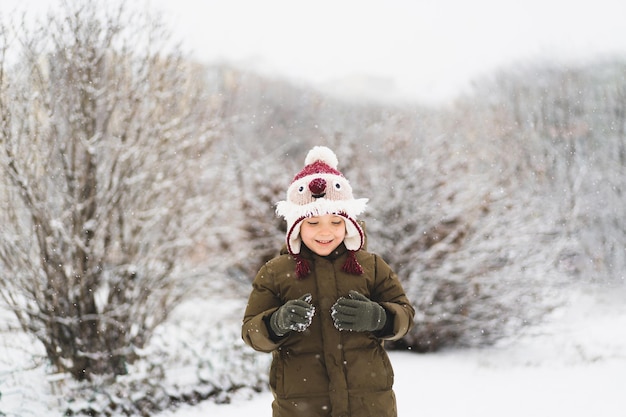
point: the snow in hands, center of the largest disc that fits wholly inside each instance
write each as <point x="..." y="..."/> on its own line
<point x="309" y="312"/>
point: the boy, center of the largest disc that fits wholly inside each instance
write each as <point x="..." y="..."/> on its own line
<point x="325" y="305"/>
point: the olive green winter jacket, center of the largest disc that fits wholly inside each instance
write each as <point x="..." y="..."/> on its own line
<point x="322" y="371"/>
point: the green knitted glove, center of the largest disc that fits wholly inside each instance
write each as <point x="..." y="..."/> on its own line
<point x="358" y="313"/>
<point x="293" y="315"/>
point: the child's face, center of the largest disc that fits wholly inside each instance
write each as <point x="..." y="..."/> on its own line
<point x="322" y="234"/>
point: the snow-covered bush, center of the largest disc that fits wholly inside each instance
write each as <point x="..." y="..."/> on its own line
<point x="104" y="128"/>
<point x="564" y="130"/>
<point x="197" y="355"/>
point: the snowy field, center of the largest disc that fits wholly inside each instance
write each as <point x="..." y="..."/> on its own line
<point x="574" y="365"/>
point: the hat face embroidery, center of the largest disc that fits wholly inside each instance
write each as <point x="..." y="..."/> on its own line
<point x="313" y="187"/>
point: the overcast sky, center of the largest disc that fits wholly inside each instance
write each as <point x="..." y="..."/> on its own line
<point x="425" y="49"/>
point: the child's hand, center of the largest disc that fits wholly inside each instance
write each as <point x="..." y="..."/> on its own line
<point x="358" y="313"/>
<point x="293" y="315"/>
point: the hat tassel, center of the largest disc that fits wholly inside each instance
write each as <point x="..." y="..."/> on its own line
<point x="352" y="266"/>
<point x="302" y="266"/>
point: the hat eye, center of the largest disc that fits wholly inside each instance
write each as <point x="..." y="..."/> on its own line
<point x="337" y="185"/>
<point x="301" y="189"/>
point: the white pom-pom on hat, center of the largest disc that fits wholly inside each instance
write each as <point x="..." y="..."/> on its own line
<point x="324" y="154"/>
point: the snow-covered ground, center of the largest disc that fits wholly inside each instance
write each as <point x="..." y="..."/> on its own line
<point x="573" y="365"/>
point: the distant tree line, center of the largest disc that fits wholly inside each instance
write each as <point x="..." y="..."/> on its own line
<point x="486" y="208"/>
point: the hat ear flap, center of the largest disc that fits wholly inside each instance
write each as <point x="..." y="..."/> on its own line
<point x="294" y="242"/>
<point x="354" y="235"/>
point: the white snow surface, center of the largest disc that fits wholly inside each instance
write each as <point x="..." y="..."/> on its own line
<point x="572" y="365"/>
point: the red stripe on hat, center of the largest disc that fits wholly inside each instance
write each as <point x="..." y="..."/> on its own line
<point x="317" y="167"/>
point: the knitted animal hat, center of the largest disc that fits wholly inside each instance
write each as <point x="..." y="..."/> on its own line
<point x="317" y="190"/>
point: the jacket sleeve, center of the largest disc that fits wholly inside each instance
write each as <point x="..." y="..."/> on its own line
<point x="263" y="301"/>
<point x="390" y="294"/>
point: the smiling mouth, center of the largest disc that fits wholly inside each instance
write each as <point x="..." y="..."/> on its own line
<point x="318" y="195"/>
